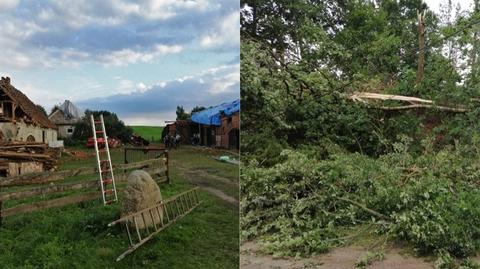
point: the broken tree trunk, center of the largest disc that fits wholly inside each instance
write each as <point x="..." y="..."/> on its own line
<point x="414" y="102"/>
<point x="421" y="44"/>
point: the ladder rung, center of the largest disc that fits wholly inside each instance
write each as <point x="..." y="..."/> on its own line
<point x="99" y="132"/>
<point x="108" y="180"/>
<point x="104" y="161"/>
<point x="106" y="171"/>
<point x="98" y="121"/>
<point x="108" y="191"/>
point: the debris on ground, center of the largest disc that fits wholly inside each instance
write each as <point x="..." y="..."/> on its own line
<point x="227" y="159"/>
<point x="21" y="152"/>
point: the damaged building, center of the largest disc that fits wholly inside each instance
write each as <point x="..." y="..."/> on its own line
<point x="65" y="117"/>
<point x="25" y="132"/>
<point x="219" y="126"/>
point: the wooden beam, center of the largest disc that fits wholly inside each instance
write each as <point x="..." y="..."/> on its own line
<point x="50" y="203"/>
<point x="45" y="177"/>
<point x="87" y="184"/>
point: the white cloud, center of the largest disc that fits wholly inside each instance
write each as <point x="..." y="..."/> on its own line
<point x="79" y="13"/>
<point x="151" y="119"/>
<point x="126" y="86"/>
<point x="227" y="33"/>
<point x="128" y="56"/>
<point x="141" y="87"/>
<point x="8" y="4"/>
<point x="225" y="83"/>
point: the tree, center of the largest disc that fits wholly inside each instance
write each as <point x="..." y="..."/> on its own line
<point x="115" y="128"/>
<point x="181" y="114"/>
<point x="55" y="107"/>
<point x="197" y="109"/>
<point x="41" y="108"/>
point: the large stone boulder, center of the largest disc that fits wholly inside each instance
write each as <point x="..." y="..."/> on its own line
<point x="142" y="192"/>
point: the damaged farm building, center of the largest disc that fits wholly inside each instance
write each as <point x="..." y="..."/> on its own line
<point x="25" y="133"/>
<point x="217" y="126"/>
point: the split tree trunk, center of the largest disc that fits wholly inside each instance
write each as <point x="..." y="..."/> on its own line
<point x="421" y="44"/>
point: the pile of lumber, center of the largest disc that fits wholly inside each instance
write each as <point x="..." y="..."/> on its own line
<point x="18" y="151"/>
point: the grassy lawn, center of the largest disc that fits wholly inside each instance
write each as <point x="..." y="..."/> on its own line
<point x="151" y="133"/>
<point x="77" y="236"/>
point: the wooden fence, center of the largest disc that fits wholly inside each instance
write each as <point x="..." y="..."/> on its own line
<point x="136" y="154"/>
<point x="40" y="184"/>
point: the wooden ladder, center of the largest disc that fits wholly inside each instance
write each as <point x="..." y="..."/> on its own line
<point x="104" y="162"/>
<point x="159" y="216"/>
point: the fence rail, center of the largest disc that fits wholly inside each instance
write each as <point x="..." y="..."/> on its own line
<point x="53" y="183"/>
<point x="132" y="154"/>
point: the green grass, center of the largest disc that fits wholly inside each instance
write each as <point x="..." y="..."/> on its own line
<point x="77" y="236"/>
<point x="151" y="133"/>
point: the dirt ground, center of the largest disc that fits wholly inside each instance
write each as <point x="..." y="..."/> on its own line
<point x="208" y="181"/>
<point x="340" y="258"/>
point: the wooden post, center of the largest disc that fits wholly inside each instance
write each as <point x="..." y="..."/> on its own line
<point x="1" y="202"/>
<point x="125" y="159"/>
<point x="199" y="134"/>
<point x="14" y="106"/>
<point x="421" y="43"/>
<point x="166" y="164"/>
<point x="1" y="205"/>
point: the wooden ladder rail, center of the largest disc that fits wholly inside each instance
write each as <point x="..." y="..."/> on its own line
<point x="164" y="211"/>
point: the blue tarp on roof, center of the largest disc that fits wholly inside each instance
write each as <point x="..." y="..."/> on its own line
<point x="211" y="116"/>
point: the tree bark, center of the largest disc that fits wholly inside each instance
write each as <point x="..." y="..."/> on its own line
<point x="421" y="44"/>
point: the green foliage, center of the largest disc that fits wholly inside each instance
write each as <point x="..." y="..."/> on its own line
<point x="297" y="206"/>
<point x="42" y="109"/>
<point x="197" y="109"/>
<point x="77" y="236"/>
<point x="308" y="150"/>
<point x="114" y="127"/>
<point x="181" y="114"/>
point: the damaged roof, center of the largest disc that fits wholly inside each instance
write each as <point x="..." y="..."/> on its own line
<point x="37" y="116"/>
<point x="212" y="116"/>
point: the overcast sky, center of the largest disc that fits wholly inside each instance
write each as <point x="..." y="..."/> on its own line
<point x="435" y="4"/>
<point x="139" y="59"/>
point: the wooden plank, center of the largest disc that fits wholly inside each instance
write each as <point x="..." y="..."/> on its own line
<point x="46" y="177"/>
<point x="150" y="236"/>
<point x="163" y="202"/>
<point x="50" y="203"/>
<point x="88" y="184"/>
<point x="48" y="189"/>
<point x="137" y="164"/>
<point x="24" y="155"/>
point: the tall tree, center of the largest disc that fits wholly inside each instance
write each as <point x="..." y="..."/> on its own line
<point x="181" y="114"/>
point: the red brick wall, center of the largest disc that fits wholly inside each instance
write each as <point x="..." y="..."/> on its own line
<point x="228" y="124"/>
